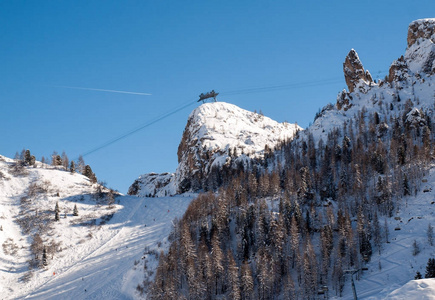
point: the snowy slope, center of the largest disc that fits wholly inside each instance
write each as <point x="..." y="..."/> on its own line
<point x="96" y="256"/>
<point x="214" y="130"/>
<point x="423" y="289"/>
<point x="396" y="265"/>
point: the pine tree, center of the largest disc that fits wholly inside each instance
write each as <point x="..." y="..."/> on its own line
<point x="217" y="259"/>
<point x="88" y="173"/>
<point x="44" y="257"/>
<point x="233" y="277"/>
<point x="430" y="234"/>
<point x="75" y="211"/>
<point x="56" y="212"/>
<point x="418" y="276"/>
<point x="430" y="268"/>
<point x="247" y="281"/>
<point x="72" y="167"/>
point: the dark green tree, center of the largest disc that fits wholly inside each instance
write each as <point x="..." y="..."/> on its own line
<point x="56" y="212"/>
<point x="430" y="268"/>
<point x="418" y="275"/>
<point x="75" y="211"/>
<point x="44" y="257"/>
<point x="88" y="173"/>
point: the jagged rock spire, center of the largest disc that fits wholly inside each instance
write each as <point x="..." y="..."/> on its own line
<point x="354" y="71"/>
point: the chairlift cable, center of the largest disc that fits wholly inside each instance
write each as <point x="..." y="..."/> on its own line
<point x="187" y="104"/>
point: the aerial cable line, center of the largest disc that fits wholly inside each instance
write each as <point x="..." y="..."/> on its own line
<point x="235" y="92"/>
<point x="133" y="131"/>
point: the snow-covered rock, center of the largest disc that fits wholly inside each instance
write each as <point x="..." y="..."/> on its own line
<point x="152" y="184"/>
<point x="215" y="134"/>
<point x="420" y="54"/>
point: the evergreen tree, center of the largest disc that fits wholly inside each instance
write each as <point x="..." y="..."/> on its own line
<point x="418" y="275"/>
<point x="247" y="281"/>
<point x="75" y="211"/>
<point x="56" y="212"/>
<point x="430" y="268"/>
<point x="72" y="167"/>
<point x="88" y="173"/>
<point x="233" y="277"/>
<point x="44" y="257"/>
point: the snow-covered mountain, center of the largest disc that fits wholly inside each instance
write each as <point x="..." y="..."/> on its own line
<point x="217" y="134"/>
<point x="98" y="254"/>
<point x="408" y="87"/>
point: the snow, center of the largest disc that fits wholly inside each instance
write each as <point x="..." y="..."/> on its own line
<point x="222" y="125"/>
<point x="423" y="289"/>
<point x="95" y="261"/>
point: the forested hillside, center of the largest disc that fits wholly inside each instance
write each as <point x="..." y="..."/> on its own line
<point x="317" y="206"/>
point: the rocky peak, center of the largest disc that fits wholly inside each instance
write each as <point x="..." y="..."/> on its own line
<point x="423" y="28"/>
<point x="354" y="71"/>
<point x="217" y="134"/>
<point x="218" y="138"/>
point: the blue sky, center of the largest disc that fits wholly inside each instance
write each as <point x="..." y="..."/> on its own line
<point x="175" y="50"/>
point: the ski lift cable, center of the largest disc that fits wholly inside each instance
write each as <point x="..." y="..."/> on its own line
<point x="135" y="130"/>
<point x="187" y="104"/>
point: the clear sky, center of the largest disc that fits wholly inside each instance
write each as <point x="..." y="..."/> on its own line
<point x="175" y="50"/>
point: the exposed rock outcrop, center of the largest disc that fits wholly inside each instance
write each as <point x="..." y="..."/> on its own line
<point x="344" y="100"/>
<point x="151" y="185"/>
<point x="423" y="28"/>
<point x="398" y="70"/>
<point x="354" y="71"/>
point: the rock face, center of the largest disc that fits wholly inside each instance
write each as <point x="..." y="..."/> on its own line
<point x="216" y="135"/>
<point x="423" y="28"/>
<point x="354" y="71"/>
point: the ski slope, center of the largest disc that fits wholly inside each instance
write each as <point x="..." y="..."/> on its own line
<point x="101" y="251"/>
<point x="108" y="271"/>
<point x="390" y="275"/>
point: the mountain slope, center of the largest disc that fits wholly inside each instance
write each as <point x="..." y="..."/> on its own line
<point x="216" y="135"/>
<point x="94" y="254"/>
